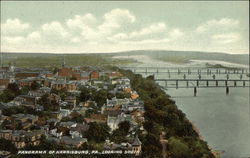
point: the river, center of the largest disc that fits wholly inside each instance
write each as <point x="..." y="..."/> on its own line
<point x="222" y="120"/>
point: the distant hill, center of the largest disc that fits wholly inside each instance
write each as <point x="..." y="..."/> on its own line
<point x="190" y="55"/>
<point x="157" y="54"/>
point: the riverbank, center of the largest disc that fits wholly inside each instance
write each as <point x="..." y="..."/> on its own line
<point x="162" y="114"/>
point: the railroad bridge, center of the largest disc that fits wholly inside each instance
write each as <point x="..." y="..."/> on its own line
<point x="196" y="77"/>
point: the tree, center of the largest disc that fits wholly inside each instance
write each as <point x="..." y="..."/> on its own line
<point x="100" y="97"/>
<point x="24" y="90"/>
<point x="13" y="87"/>
<point x="10" y="93"/>
<point x="178" y="149"/>
<point x="47" y="104"/>
<point x="124" y="126"/>
<point x="119" y="135"/>
<point x="85" y="93"/>
<point x="35" y="86"/>
<point x="7" y="96"/>
<point x="98" y="132"/>
<point x="7" y="145"/>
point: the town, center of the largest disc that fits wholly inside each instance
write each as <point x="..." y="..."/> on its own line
<point x="76" y="107"/>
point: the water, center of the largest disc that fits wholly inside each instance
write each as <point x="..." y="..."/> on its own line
<point x="223" y="120"/>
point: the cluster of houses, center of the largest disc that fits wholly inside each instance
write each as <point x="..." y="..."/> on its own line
<point x="27" y="129"/>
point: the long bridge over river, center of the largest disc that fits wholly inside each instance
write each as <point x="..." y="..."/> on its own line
<point x="196" y="77"/>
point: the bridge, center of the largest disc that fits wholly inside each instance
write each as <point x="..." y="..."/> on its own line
<point x="187" y="70"/>
<point x="196" y="77"/>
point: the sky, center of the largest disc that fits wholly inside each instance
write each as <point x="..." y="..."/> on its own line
<point x="113" y="26"/>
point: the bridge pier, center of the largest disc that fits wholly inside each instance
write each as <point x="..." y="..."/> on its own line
<point x="214" y="76"/>
<point x="216" y="82"/>
<point x="207" y="83"/>
<point x="195" y="91"/>
<point x="187" y="83"/>
<point x="226" y="83"/>
<point x="235" y="83"/>
<point x="197" y="83"/>
<point x="176" y="84"/>
<point x="244" y="84"/>
<point x="179" y="71"/>
<point x="227" y="90"/>
<point x="241" y="76"/>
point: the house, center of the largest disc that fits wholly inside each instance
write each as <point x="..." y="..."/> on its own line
<point x="44" y="90"/>
<point x="134" y="95"/>
<point x="47" y="82"/>
<point x="25" y="120"/>
<point x="76" y="76"/>
<point x="75" y="134"/>
<point x="27" y="100"/>
<point x="113" y="111"/>
<point x="73" y="142"/>
<point x="21" y="138"/>
<point x="55" y="133"/>
<point x="113" y="121"/>
<point x="4" y="82"/>
<point x="65" y="72"/>
<point x="62" y="84"/>
<point x="54" y="98"/>
<point x="25" y="82"/>
<point x="65" y="112"/>
<point x="78" y="130"/>
<point x="114" y="74"/>
<point x="56" y="115"/>
<point x="85" y="75"/>
<point x="68" y="124"/>
<point x="94" y="75"/>
<point x="100" y="118"/>
<point x="71" y="100"/>
<point x="52" y="121"/>
<point x="134" y="146"/>
<point x="22" y="75"/>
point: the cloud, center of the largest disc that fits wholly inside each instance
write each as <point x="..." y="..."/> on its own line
<point x="176" y="33"/>
<point x="118" y="29"/>
<point x="226" y="38"/>
<point x="13" y="27"/>
<point x="54" y="30"/>
<point x="115" y="19"/>
<point x="218" y="25"/>
<point x="146" y="32"/>
<point x="81" y="21"/>
<point x="14" y="40"/>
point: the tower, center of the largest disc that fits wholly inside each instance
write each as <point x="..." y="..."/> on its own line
<point x="1" y="59"/>
<point x="136" y="146"/>
<point x="63" y="62"/>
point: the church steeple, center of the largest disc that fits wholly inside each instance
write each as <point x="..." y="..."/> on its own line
<point x="63" y="62"/>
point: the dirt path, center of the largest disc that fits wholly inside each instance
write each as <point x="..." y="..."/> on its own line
<point x="163" y="143"/>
